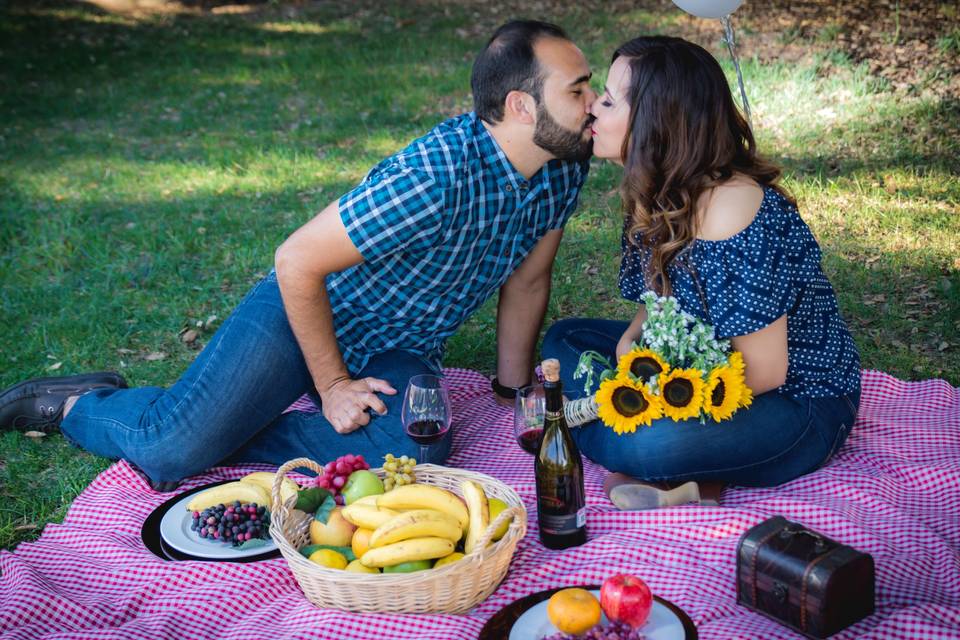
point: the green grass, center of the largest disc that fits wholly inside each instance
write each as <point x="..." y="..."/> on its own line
<point x="148" y="170"/>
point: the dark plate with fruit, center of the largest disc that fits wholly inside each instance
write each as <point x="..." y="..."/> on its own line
<point x="526" y="619"/>
<point x="163" y="524"/>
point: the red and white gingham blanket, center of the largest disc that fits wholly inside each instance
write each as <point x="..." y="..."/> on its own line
<point x="893" y="491"/>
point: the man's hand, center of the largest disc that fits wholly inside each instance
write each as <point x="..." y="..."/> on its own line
<point x="346" y="402"/>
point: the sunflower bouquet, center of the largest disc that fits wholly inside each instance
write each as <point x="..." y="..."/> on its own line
<point x="678" y="370"/>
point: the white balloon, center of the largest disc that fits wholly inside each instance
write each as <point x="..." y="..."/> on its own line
<point x="709" y="8"/>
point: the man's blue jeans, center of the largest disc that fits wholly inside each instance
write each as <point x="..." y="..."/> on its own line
<point x="778" y="438"/>
<point x="227" y="407"/>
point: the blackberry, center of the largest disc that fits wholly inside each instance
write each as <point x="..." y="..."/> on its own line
<point x="235" y="523"/>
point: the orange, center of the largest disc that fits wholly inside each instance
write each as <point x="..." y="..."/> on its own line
<point x="361" y="541"/>
<point x="573" y="611"/>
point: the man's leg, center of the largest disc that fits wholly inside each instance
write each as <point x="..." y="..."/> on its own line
<point x="249" y="372"/>
<point x="298" y="434"/>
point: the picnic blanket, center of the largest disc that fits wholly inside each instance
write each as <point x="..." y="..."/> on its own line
<point x="893" y="491"/>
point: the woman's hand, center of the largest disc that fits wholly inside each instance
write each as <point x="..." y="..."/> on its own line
<point x="633" y="332"/>
<point x="624" y="346"/>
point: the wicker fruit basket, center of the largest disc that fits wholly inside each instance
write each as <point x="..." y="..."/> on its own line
<point x="454" y="588"/>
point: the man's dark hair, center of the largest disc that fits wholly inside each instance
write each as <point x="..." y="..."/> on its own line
<point x="508" y="64"/>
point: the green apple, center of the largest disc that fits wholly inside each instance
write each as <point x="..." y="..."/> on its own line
<point x="409" y="567"/>
<point x="361" y="484"/>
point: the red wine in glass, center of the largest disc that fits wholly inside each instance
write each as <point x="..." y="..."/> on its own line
<point x="528" y="415"/>
<point x="426" y="431"/>
<point x="530" y="440"/>
<point x="426" y="413"/>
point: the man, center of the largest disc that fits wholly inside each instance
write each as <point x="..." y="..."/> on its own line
<point x="364" y="296"/>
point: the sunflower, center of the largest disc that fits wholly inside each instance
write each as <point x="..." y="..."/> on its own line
<point x="642" y="363"/>
<point x="623" y="404"/>
<point x="721" y="394"/>
<point x="682" y="393"/>
<point x="746" y="394"/>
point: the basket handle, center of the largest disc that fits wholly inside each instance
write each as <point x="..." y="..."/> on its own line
<point x="275" y="503"/>
<point x="510" y="513"/>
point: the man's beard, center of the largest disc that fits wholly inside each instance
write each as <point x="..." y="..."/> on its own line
<point x="562" y="143"/>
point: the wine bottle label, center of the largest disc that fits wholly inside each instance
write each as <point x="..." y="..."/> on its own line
<point x="552" y="415"/>
<point x="560" y="525"/>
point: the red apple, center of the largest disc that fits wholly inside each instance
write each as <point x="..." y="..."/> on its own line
<point x="627" y="599"/>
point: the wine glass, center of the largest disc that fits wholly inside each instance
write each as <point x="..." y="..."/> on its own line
<point x="528" y="412"/>
<point x="426" y="413"/>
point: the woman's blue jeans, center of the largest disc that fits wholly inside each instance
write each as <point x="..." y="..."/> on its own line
<point x="778" y="438"/>
<point x="227" y="407"/>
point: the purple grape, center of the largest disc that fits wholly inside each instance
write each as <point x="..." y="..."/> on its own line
<point x="609" y="631"/>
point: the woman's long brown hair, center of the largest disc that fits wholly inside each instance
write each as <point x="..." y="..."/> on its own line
<point x="685" y="136"/>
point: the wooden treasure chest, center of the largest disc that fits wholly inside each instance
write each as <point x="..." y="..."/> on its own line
<point x="803" y="579"/>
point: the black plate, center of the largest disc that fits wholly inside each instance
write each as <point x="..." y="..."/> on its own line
<point x="150" y="534"/>
<point x="498" y="627"/>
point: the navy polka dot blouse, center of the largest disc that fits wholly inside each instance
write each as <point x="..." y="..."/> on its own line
<point x="745" y="282"/>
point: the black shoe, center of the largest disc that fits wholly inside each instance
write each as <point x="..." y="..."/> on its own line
<point x="37" y="404"/>
<point x="160" y="486"/>
<point x="164" y="486"/>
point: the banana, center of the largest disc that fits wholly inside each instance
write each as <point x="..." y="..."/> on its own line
<point x="367" y="516"/>
<point x="265" y="479"/>
<point x="425" y="496"/>
<point x="416" y="524"/>
<point x="227" y="493"/>
<point x="370" y="500"/>
<point x="408" y="550"/>
<point x="479" y="513"/>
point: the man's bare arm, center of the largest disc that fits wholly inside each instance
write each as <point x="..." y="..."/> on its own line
<point x="314" y="251"/>
<point x="523" y="304"/>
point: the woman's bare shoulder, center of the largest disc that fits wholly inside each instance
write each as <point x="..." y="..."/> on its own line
<point x="729" y="208"/>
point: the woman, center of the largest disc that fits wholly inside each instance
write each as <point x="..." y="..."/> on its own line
<point x="707" y="223"/>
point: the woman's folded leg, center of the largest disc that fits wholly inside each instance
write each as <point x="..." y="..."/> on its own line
<point x="777" y="439"/>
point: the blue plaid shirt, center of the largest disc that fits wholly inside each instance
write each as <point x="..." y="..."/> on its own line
<point x="441" y="225"/>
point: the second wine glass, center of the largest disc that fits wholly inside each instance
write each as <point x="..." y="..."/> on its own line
<point x="528" y="412"/>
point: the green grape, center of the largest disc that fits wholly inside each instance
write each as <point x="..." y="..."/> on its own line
<point x="398" y="471"/>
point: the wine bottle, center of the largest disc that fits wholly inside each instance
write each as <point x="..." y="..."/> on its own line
<point x="561" y="500"/>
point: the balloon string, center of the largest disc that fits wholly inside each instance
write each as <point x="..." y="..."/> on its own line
<point x="728" y="37"/>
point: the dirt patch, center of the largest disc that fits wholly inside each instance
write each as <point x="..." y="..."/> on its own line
<point x="915" y="46"/>
<point x="912" y="45"/>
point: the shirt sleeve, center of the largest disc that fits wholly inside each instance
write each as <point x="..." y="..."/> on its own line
<point x="577" y="176"/>
<point x="750" y="282"/>
<point x="395" y="208"/>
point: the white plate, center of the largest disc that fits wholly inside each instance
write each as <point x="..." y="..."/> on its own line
<point x="175" y="531"/>
<point x="663" y="624"/>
